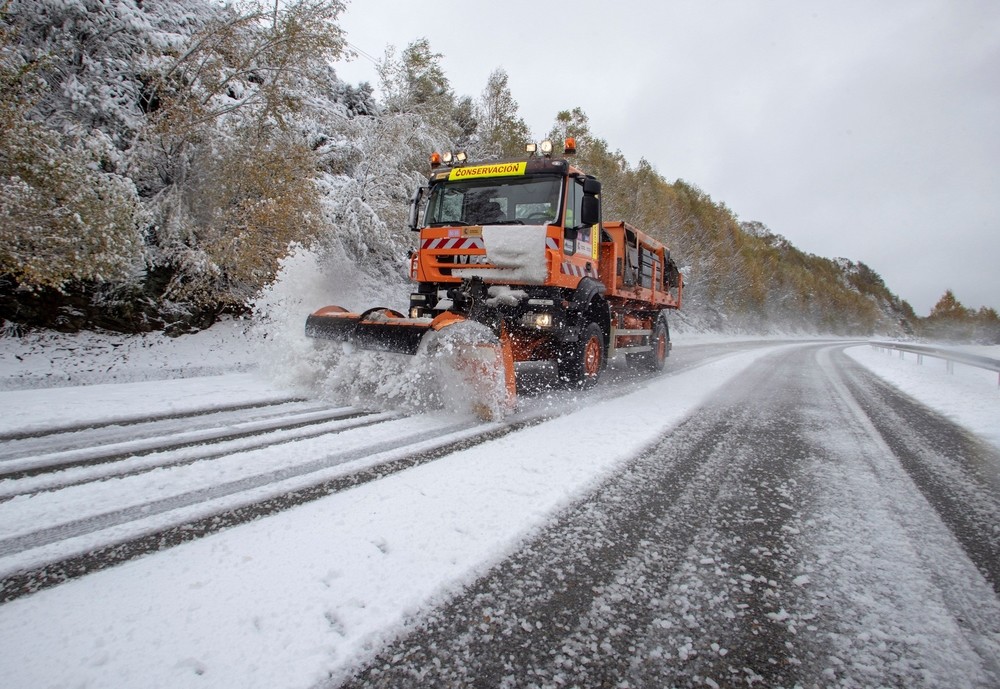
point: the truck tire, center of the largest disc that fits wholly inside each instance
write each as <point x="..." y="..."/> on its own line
<point x="653" y="361"/>
<point x="581" y="363"/>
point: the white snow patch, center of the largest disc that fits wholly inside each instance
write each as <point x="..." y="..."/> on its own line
<point x="970" y="396"/>
<point x="502" y="295"/>
<point x="517" y="252"/>
<point x="51" y="359"/>
<point x="41" y="409"/>
<point x="284" y="601"/>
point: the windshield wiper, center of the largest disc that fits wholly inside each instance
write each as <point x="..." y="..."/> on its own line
<point x="507" y="222"/>
<point x="448" y="223"/>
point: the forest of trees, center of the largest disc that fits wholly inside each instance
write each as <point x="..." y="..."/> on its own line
<point x="159" y="159"/>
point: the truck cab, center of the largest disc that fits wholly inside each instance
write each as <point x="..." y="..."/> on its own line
<point x="508" y="223"/>
<point x="522" y="243"/>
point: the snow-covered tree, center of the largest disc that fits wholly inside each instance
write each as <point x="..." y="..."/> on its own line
<point x="415" y="83"/>
<point x="63" y="215"/>
<point x="502" y="131"/>
<point x="235" y="176"/>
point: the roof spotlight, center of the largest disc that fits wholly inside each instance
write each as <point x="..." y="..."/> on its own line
<point x="447" y="157"/>
<point x="546" y="148"/>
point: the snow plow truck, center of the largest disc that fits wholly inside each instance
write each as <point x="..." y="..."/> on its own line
<point x="515" y="255"/>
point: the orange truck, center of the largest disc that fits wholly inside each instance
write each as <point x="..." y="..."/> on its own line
<point x="519" y="247"/>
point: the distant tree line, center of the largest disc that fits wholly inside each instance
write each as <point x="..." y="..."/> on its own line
<point x="158" y="160"/>
<point x="950" y="321"/>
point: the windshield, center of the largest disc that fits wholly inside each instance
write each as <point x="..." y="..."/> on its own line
<point x="521" y="201"/>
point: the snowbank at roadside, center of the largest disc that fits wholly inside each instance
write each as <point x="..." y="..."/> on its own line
<point x="273" y="340"/>
<point x="52" y="359"/>
<point x="969" y="397"/>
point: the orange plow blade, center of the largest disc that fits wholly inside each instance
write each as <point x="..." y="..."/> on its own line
<point x="380" y="329"/>
<point x="474" y="365"/>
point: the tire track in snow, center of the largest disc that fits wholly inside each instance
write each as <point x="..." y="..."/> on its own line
<point x="615" y="592"/>
<point x="111" y="433"/>
<point x="135" y="419"/>
<point x="38" y="578"/>
<point x="957" y="473"/>
<point x="97" y="522"/>
<point x="709" y="563"/>
<point x="900" y="601"/>
<point x="210" y="443"/>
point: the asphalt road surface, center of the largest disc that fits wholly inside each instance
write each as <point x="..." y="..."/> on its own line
<point x="809" y="527"/>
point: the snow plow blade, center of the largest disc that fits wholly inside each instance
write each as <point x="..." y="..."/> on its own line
<point x="379" y="329"/>
<point x="472" y="357"/>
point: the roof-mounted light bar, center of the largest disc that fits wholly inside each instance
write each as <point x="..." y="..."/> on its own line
<point x="448" y="158"/>
<point x="546" y="148"/>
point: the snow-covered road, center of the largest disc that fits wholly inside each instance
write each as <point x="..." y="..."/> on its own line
<point x="770" y="538"/>
<point x="759" y="511"/>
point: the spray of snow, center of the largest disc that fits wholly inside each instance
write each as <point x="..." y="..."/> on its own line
<point x="457" y="369"/>
<point x="469" y="369"/>
<point x="452" y="370"/>
<point x="306" y="282"/>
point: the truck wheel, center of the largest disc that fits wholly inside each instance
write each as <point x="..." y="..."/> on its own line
<point x="580" y="365"/>
<point x="653" y="361"/>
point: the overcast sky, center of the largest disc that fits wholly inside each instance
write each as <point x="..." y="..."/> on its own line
<point x="868" y="130"/>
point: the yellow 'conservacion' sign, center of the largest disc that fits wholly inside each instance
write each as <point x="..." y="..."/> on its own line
<point x="492" y="170"/>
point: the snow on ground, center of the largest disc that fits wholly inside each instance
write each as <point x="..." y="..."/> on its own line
<point x="969" y="397"/>
<point x="52" y="359"/>
<point x="281" y="601"/>
<point x="267" y="604"/>
<point x="42" y="409"/>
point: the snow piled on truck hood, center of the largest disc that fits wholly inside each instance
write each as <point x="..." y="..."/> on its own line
<point x="517" y="251"/>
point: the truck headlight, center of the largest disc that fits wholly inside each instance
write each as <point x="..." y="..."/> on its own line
<point x="537" y="320"/>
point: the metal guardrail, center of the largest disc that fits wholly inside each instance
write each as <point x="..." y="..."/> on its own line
<point x="951" y="356"/>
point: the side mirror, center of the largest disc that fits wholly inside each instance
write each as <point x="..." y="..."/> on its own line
<point x="412" y="221"/>
<point x="590" y="211"/>
<point x="591" y="186"/>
